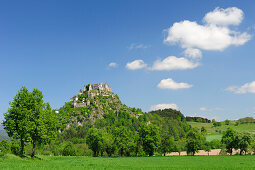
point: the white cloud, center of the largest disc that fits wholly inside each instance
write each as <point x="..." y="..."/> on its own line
<point x="211" y="36"/>
<point x="225" y="17"/>
<point x="246" y="88"/>
<point x="173" y="63"/>
<point x="203" y="108"/>
<point x="164" y="106"/>
<point x="193" y="53"/>
<point x="137" y="46"/>
<point x="207" y="109"/>
<point x="136" y="64"/>
<point x="113" y="64"/>
<point x="171" y="84"/>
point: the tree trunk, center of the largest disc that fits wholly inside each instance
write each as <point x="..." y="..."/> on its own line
<point x="208" y="153"/>
<point x="22" y="147"/>
<point x="33" y="150"/>
<point x="179" y="153"/>
<point x="95" y="154"/>
<point x="164" y="154"/>
<point x="121" y="152"/>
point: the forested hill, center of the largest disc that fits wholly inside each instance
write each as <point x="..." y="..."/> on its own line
<point x="123" y="131"/>
<point x="169" y="113"/>
<point x="100" y="105"/>
<point x="171" y="120"/>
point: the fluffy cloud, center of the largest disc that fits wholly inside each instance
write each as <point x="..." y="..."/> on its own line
<point x="173" y="63"/>
<point x="137" y="46"/>
<point x="246" y="88"/>
<point x="136" y="64"/>
<point x="213" y="109"/>
<point x="164" y="106"/>
<point x="225" y="17"/>
<point x="203" y="108"/>
<point x="172" y="85"/>
<point x="113" y="64"/>
<point x="214" y="35"/>
<point x="193" y="53"/>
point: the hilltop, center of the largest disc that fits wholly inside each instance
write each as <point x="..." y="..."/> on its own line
<point x="92" y="103"/>
<point x="96" y="102"/>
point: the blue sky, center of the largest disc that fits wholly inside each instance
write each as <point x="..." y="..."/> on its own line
<point x="58" y="46"/>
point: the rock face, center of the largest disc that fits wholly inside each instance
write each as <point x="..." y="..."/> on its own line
<point x="89" y="92"/>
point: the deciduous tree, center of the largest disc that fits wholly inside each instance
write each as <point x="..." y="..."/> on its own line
<point x="229" y="139"/>
<point x="194" y="141"/>
<point x="149" y="135"/>
<point x="30" y="119"/>
<point x="243" y="141"/>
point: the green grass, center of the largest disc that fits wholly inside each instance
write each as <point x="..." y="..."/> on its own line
<point x="212" y="137"/>
<point x="171" y="162"/>
<point x="216" y="132"/>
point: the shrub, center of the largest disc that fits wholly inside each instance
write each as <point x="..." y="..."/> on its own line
<point x="15" y="147"/>
<point x="216" y="124"/>
<point x="5" y="146"/>
<point x="69" y="150"/>
<point x="56" y="150"/>
<point x="227" y="122"/>
<point x="83" y="150"/>
<point x="45" y="152"/>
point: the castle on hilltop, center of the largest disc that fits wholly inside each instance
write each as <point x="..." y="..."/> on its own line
<point x="89" y="91"/>
<point x="98" y="86"/>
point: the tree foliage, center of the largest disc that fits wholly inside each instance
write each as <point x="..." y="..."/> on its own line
<point x="194" y="141"/>
<point x="150" y="137"/>
<point x="229" y="139"/>
<point x="29" y="119"/>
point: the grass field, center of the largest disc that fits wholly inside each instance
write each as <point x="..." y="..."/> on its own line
<point x="216" y="132"/>
<point x="170" y="162"/>
<point x="212" y="137"/>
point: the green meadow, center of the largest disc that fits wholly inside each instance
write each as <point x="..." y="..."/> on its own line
<point x="170" y="162"/>
<point x="216" y="132"/>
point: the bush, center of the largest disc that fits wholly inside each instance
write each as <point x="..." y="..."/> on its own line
<point x="215" y="144"/>
<point x="5" y="146"/>
<point x="69" y="150"/>
<point x="83" y="150"/>
<point x="46" y="152"/>
<point x="223" y="152"/>
<point x="227" y="122"/>
<point x="15" y="147"/>
<point x="56" y="150"/>
<point x="216" y="124"/>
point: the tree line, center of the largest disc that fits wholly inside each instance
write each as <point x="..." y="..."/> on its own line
<point x="34" y="128"/>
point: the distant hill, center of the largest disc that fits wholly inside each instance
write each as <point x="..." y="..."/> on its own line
<point x="91" y="104"/>
<point x="170" y="119"/>
<point x="197" y="119"/>
<point x="3" y="134"/>
<point x="215" y="132"/>
<point x="96" y="105"/>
